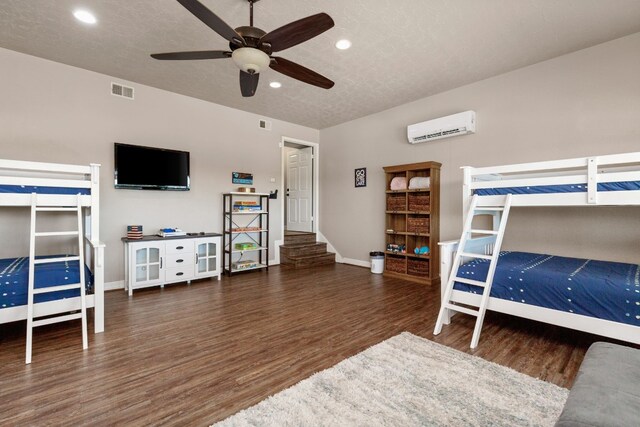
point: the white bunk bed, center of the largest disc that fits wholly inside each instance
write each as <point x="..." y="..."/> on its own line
<point x="611" y="180"/>
<point x="18" y="180"/>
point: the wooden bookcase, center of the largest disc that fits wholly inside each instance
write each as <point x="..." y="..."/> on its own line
<point x="413" y="220"/>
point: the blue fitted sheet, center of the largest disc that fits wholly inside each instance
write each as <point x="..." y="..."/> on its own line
<point x="601" y="289"/>
<point x="28" y="189"/>
<point x="565" y="188"/>
<point x="14" y="277"/>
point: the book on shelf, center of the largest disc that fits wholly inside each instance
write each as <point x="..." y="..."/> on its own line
<point x="245" y="264"/>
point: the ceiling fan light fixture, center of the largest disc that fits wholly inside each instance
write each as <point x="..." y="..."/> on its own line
<point x="85" y="16"/>
<point x="250" y="60"/>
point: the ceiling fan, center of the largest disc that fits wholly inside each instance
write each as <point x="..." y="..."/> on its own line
<point x="251" y="47"/>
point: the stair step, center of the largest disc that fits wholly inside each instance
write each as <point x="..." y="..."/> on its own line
<point x="52" y="260"/>
<point x="461" y="309"/>
<point x="49" y="289"/>
<point x="298" y="237"/>
<point x="309" y="260"/>
<point x="57" y="319"/>
<point x="303" y="249"/>
<point x="478" y="231"/>
<point x="471" y="282"/>
<point x="471" y="255"/>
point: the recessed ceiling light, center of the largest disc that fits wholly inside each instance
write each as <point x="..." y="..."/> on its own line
<point x="343" y="44"/>
<point x="85" y="16"/>
<point x="275" y="85"/>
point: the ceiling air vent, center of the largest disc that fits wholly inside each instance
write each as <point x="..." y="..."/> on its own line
<point x="264" y="124"/>
<point x="121" y="90"/>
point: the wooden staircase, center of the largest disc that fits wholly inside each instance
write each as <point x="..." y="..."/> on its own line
<point x="301" y="250"/>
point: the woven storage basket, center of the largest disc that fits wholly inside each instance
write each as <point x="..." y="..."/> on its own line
<point x="418" y="267"/>
<point x="396" y="202"/>
<point x="418" y="202"/>
<point x="396" y="265"/>
<point x="418" y="225"/>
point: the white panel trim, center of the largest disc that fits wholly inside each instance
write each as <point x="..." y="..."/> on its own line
<point x="356" y="262"/>
<point x="316" y="181"/>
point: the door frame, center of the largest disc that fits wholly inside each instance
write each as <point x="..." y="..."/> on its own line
<point x="315" y="181"/>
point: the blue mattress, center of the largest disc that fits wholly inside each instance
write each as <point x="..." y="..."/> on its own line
<point x="14" y="276"/>
<point x="566" y="188"/>
<point x="28" y="189"/>
<point x="601" y="289"/>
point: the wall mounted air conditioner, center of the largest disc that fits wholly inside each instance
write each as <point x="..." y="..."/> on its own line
<point x="444" y="127"/>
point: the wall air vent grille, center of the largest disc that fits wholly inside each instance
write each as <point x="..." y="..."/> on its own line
<point x="264" y="124"/>
<point x="121" y="90"/>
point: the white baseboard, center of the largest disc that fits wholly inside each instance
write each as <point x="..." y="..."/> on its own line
<point x="356" y="262"/>
<point x="112" y="286"/>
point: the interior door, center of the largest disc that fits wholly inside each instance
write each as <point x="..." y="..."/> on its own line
<point x="300" y="189"/>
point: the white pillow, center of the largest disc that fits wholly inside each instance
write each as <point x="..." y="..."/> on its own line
<point x="419" y="182"/>
<point x="398" y="183"/>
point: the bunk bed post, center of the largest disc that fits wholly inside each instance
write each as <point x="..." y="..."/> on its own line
<point x="592" y="180"/>
<point x="98" y="250"/>
<point x="467" y="192"/>
<point x="447" y="252"/>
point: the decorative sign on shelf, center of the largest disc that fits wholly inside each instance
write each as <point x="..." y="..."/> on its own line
<point x="242" y="178"/>
<point x="361" y="177"/>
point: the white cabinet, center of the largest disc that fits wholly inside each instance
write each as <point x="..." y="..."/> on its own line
<point x="156" y="261"/>
<point x="208" y="257"/>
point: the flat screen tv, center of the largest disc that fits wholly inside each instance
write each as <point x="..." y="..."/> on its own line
<point x="148" y="168"/>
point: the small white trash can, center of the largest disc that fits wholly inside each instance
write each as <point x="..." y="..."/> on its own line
<point x="377" y="262"/>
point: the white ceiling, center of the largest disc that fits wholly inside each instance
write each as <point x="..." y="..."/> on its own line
<point x="402" y="50"/>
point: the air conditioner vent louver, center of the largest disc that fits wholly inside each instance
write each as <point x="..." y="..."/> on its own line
<point x="121" y="90"/>
<point x="264" y="124"/>
<point x="455" y="124"/>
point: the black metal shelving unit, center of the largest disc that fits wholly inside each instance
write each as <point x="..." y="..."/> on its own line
<point x="250" y="226"/>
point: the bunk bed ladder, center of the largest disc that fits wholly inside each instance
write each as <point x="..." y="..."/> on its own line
<point x="32" y="291"/>
<point x="503" y="214"/>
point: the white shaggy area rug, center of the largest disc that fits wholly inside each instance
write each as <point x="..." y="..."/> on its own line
<point x="410" y="381"/>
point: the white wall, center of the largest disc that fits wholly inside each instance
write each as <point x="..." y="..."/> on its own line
<point x="581" y="104"/>
<point x="57" y="113"/>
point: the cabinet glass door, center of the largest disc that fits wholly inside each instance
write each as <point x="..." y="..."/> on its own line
<point x="207" y="251"/>
<point x="148" y="264"/>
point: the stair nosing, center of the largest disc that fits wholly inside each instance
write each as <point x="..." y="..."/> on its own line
<point x="321" y="255"/>
<point x="301" y="245"/>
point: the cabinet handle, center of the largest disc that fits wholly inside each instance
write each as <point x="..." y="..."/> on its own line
<point x="180" y="273"/>
<point x="160" y="262"/>
<point x="179" y="260"/>
<point x="196" y="258"/>
<point x="179" y="247"/>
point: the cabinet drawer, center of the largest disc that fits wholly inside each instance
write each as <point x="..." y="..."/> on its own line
<point x="178" y="274"/>
<point x="182" y="260"/>
<point x="178" y="246"/>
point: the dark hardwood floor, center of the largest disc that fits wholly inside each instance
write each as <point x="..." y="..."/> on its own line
<point x="193" y="355"/>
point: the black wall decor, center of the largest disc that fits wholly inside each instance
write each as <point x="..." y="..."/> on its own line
<point x="361" y="177"/>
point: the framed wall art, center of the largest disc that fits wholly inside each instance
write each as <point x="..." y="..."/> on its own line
<point x="361" y="177"/>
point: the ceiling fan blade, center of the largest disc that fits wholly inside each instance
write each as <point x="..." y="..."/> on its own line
<point x="297" y="32"/>
<point x="201" y="54"/>
<point x="212" y="21"/>
<point x="248" y="83"/>
<point x="299" y="72"/>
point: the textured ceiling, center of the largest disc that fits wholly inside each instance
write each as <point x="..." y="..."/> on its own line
<point x="402" y="50"/>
